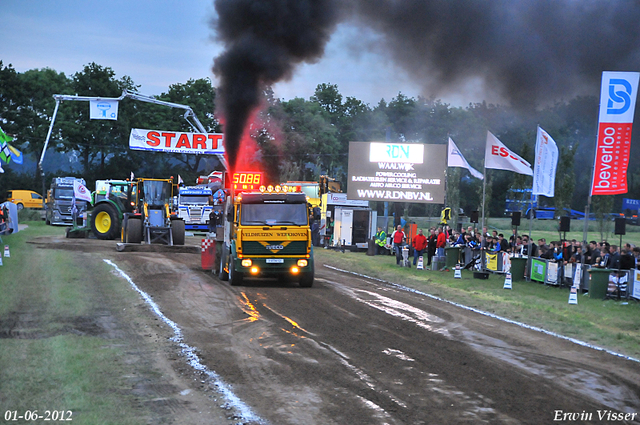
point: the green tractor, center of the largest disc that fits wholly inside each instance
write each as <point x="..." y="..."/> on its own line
<point x="112" y="199"/>
<point x="136" y="211"/>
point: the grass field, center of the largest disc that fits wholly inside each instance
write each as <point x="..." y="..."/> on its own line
<point x="53" y="355"/>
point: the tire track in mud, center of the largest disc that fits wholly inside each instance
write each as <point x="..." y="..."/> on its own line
<point x="192" y="358"/>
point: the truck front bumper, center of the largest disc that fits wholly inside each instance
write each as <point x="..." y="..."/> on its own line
<point x="262" y="267"/>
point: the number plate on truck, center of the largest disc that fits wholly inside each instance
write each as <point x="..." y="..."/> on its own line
<point x="275" y="260"/>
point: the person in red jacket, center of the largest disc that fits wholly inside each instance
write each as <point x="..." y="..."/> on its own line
<point x="398" y="238"/>
<point x="441" y="243"/>
<point x="419" y="246"/>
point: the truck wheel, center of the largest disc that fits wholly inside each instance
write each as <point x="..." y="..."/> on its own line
<point x="235" y="277"/>
<point x="306" y="280"/>
<point x="105" y="222"/>
<point x="223" y="274"/>
<point x="177" y="229"/>
<point x="134" y="230"/>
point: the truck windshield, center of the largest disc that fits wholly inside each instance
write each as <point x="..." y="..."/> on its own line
<point x="194" y="199"/>
<point x="63" y="193"/>
<point x="156" y="193"/>
<point x="274" y="214"/>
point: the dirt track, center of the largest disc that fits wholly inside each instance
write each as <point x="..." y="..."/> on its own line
<point x="355" y="351"/>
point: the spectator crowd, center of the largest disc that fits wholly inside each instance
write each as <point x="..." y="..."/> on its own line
<point x="432" y="244"/>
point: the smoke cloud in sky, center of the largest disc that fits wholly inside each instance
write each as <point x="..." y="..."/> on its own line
<point x="264" y="41"/>
<point x="524" y="52"/>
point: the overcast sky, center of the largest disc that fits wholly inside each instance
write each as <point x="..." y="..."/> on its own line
<point x="161" y="42"/>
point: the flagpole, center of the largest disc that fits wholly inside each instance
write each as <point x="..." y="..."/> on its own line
<point x="585" y="229"/>
<point x="530" y="244"/>
<point x="484" y="189"/>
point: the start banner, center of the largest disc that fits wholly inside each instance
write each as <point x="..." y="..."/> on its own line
<point x="176" y="142"/>
<point x="617" y="104"/>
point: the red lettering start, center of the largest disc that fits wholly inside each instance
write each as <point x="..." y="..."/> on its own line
<point x="215" y="140"/>
<point x="199" y="141"/>
<point x="183" y="141"/>
<point x="167" y="139"/>
<point x="153" y="138"/>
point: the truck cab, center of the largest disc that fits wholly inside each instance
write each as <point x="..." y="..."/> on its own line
<point x="59" y="201"/>
<point x="194" y="208"/>
<point x="267" y="233"/>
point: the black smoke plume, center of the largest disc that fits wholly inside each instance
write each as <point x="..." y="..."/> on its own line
<point x="264" y="40"/>
<point x="525" y="51"/>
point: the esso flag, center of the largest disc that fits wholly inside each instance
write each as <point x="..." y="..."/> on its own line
<point x="176" y="142"/>
<point x="617" y="104"/>
<point x="499" y="157"/>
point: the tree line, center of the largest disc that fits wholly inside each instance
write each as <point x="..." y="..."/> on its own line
<point x="297" y="139"/>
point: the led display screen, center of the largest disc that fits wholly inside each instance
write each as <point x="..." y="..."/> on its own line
<point x="397" y="172"/>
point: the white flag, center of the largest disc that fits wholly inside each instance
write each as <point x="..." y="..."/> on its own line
<point x="455" y="159"/>
<point x="499" y="157"/>
<point x="544" y="169"/>
<point x="80" y="191"/>
<point x="104" y="109"/>
<point x="180" y="181"/>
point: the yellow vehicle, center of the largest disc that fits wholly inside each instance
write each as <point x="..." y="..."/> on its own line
<point x="315" y="190"/>
<point x="25" y="199"/>
<point x="311" y="189"/>
<point x="266" y="233"/>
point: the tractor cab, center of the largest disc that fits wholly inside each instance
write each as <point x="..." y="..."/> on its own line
<point x="153" y="220"/>
<point x="154" y="198"/>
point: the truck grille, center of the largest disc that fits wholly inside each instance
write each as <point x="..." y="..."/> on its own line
<point x="195" y="212"/>
<point x="256" y="248"/>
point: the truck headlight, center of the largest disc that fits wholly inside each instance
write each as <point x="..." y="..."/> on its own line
<point x="302" y="263"/>
<point x="246" y="263"/>
<point x="254" y="270"/>
<point x="295" y="270"/>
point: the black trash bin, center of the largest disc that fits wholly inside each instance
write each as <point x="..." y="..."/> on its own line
<point x="518" y="264"/>
<point x="599" y="283"/>
<point x="452" y="255"/>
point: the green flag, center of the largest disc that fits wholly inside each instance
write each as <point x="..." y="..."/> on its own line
<point x="5" y="153"/>
<point x="4" y="138"/>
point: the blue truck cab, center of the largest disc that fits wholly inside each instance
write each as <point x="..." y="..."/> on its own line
<point x="194" y="208"/>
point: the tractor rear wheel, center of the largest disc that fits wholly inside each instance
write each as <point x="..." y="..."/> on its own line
<point x="105" y="222"/>
<point x="177" y="230"/>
